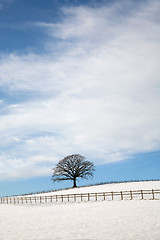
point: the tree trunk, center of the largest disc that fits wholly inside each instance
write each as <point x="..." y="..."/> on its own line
<point x="74" y="182"/>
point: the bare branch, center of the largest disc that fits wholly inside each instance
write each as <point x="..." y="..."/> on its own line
<point x="72" y="167"/>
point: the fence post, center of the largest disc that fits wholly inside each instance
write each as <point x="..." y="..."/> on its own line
<point x="14" y="200"/>
<point x="56" y="198"/>
<point x="75" y="197"/>
<point x="131" y="195"/>
<point x="104" y="195"/>
<point x="96" y="196"/>
<point x="68" y="197"/>
<point x="121" y="195"/>
<point x="62" y="197"/>
<point x="142" y="194"/>
<point x="112" y="195"/>
<point x="88" y="197"/>
<point x="153" y="193"/>
<point x="81" y="197"/>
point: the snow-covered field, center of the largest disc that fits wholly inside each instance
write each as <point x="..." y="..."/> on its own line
<point x="146" y="185"/>
<point x="113" y="220"/>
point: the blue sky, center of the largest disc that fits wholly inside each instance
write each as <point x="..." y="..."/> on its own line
<point x="78" y="77"/>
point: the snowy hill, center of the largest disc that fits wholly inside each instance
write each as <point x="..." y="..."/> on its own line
<point x="115" y="220"/>
<point x="144" y="185"/>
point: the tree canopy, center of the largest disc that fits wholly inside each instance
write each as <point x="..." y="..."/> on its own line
<point x="73" y="167"/>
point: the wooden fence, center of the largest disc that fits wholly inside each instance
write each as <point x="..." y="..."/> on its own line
<point x="153" y="194"/>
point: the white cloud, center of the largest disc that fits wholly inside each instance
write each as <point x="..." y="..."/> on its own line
<point x="3" y="3"/>
<point x="100" y="90"/>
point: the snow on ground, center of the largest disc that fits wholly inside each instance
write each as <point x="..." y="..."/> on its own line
<point x="146" y="185"/>
<point x="113" y="220"/>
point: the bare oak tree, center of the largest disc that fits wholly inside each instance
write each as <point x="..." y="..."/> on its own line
<point x="73" y="167"/>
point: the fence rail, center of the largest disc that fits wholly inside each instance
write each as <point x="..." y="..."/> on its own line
<point x="153" y="194"/>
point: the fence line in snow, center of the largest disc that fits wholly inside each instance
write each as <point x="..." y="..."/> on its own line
<point x="153" y="194"/>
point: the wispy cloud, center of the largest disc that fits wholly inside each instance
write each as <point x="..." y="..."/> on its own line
<point x="4" y="3"/>
<point x="96" y="91"/>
